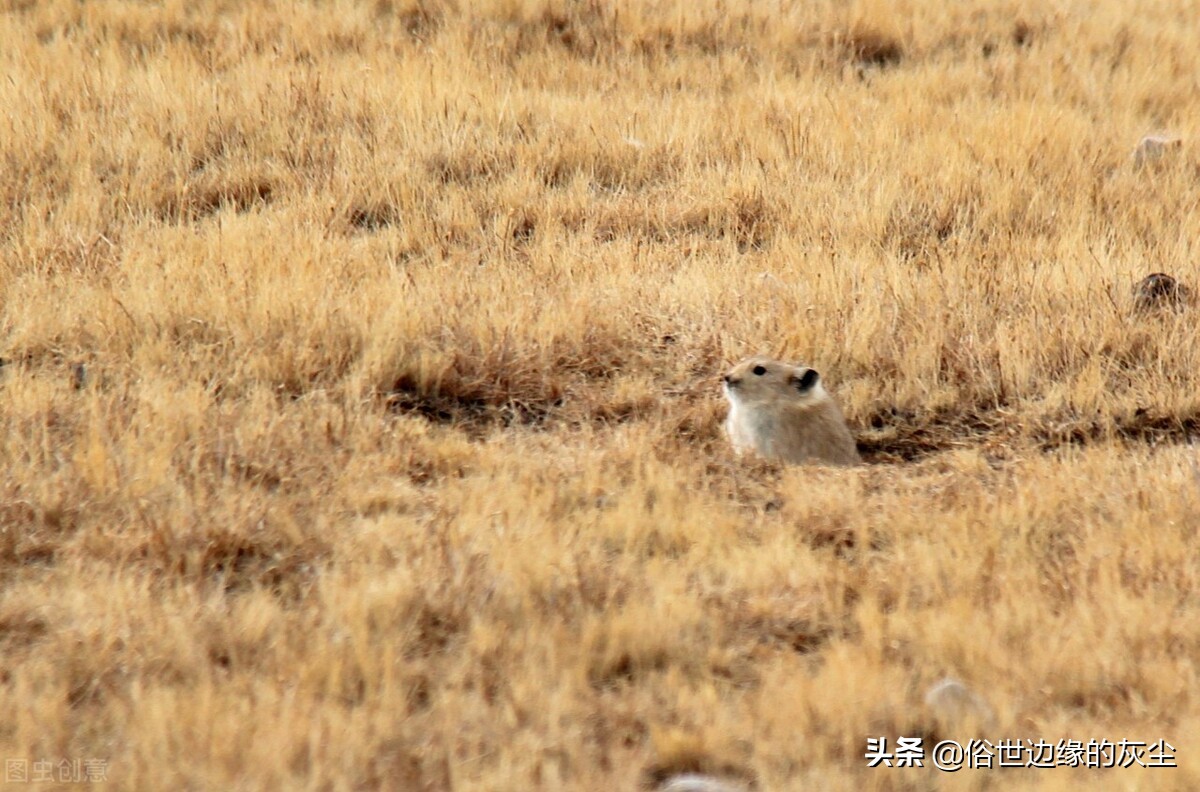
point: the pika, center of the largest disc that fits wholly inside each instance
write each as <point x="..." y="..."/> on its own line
<point x="1159" y="290"/>
<point x="1152" y="148"/>
<point x="783" y="412"/>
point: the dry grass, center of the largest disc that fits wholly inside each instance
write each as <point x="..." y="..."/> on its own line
<point x="397" y="460"/>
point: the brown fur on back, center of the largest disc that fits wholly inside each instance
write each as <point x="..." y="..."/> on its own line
<point x="1158" y="291"/>
<point x="818" y="433"/>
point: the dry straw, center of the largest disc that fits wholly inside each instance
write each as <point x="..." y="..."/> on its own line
<point x="361" y="408"/>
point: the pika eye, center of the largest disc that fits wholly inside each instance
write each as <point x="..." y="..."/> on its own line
<point x="759" y="371"/>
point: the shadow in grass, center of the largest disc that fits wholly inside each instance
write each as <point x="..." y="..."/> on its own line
<point x="372" y="217"/>
<point x="196" y="202"/>
<point x="898" y="437"/>
<point x="1142" y="426"/>
<point x="867" y="46"/>
<point x="472" y="411"/>
<point x="887" y="436"/>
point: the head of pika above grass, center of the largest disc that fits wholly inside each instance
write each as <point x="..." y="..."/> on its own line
<point x="781" y="411"/>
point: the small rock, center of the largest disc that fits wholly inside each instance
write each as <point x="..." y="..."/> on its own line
<point x="1151" y="148"/>
<point x="955" y="706"/>
<point x="698" y="782"/>
<point x="1160" y="291"/>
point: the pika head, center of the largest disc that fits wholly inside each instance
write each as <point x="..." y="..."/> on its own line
<point x="780" y="411"/>
<point x="761" y="379"/>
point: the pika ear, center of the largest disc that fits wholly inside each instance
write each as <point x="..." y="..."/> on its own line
<point x="806" y="380"/>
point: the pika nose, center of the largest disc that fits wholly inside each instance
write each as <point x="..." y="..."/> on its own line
<point x="728" y="379"/>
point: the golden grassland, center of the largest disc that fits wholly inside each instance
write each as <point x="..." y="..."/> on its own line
<point x="361" y="416"/>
